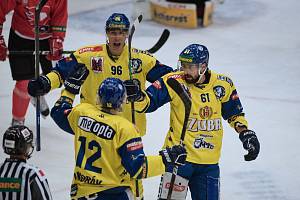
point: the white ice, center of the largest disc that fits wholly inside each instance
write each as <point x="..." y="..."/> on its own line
<point x="255" y="42"/>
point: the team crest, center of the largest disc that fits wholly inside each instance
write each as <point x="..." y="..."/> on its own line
<point x="136" y="65"/>
<point x="219" y="92"/>
<point x="97" y="64"/>
<point x="205" y="112"/>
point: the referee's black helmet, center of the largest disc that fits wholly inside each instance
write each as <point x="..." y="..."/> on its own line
<point x="18" y="140"/>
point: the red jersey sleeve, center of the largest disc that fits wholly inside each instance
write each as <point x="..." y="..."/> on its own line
<point x="59" y="18"/>
<point x="5" y="7"/>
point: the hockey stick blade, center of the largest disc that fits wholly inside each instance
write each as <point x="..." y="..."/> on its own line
<point x="182" y="93"/>
<point x="161" y="41"/>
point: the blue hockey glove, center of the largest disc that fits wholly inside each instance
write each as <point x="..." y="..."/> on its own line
<point x="174" y="155"/>
<point x="133" y="89"/>
<point x="76" y="79"/>
<point x="250" y="143"/>
<point x="39" y="86"/>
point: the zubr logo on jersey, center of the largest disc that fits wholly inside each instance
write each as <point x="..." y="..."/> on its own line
<point x="100" y="129"/>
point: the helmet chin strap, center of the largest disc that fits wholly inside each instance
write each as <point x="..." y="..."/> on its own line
<point x="201" y="74"/>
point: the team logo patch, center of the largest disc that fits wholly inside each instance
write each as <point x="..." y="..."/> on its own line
<point x="157" y="84"/>
<point x="90" y="49"/>
<point x="134" y="145"/>
<point x="97" y="64"/>
<point x="219" y="92"/>
<point x="10" y="184"/>
<point x="205" y="112"/>
<point x="136" y="65"/>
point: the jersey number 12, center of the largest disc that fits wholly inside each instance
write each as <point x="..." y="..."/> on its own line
<point x="90" y="160"/>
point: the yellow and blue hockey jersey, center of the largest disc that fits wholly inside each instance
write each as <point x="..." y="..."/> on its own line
<point x="211" y="102"/>
<point x="108" y="149"/>
<point x="101" y="66"/>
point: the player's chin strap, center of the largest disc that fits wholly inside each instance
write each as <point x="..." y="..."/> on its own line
<point x="201" y="74"/>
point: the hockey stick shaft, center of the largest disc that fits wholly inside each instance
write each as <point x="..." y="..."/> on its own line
<point x="160" y="42"/>
<point x="132" y="30"/>
<point x="38" y="10"/>
<point x="182" y="93"/>
<point x="43" y="53"/>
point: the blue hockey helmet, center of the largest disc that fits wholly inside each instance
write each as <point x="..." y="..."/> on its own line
<point x="18" y="140"/>
<point x="117" y="21"/>
<point x="195" y="54"/>
<point x="112" y="93"/>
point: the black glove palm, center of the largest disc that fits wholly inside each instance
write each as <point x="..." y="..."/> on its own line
<point x="76" y="79"/>
<point x="250" y="143"/>
<point x="133" y="89"/>
<point x="175" y="155"/>
<point x="39" y="86"/>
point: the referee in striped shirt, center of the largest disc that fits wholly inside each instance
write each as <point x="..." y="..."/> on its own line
<point x="18" y="179"/>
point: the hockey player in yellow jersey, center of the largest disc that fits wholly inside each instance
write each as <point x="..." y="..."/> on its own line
<point x="103" y="61"/>
<point x="108" y="148"/>
<point x="214" y="97"/>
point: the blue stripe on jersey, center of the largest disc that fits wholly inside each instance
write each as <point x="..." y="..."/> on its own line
<point x="232" y="107"/>
<point x="132" y="158"/>
<point x="65" y="66"/>
<point x="158" y="97"/>
<point x="58" y="114"/>
<point x="158" y="71"/>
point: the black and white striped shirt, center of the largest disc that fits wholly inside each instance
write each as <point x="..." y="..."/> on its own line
<point x="21" y="181"/>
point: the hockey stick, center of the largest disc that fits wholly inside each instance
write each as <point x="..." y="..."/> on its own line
<point x="185" y="98"/>
<point x="43" y="53"/>
<point x="132" y="30"/>
<point x="161" y="41"/>
<point x="37" y="12"/>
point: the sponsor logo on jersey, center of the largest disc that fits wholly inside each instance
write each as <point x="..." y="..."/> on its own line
<point x="99" y="129"/>
<point x="134" y="145"/>
<point x="10" y="184"/>
<point x="157" y="84"/>
<point x="206" y="112"/>
<point x="134" y="50"/>
<point x="219" y="92"/>
<point x="176" y="187"/>
<point x="201" y="143"/>
<point x="225" y="78"/>
<point x="176" y="76"/>
<point x="74" y="189"/>
<point x="97" y="64"/>
<point x="195" y="125"/>
<point x="87" y="179"/>
<point x="90" y="49"/>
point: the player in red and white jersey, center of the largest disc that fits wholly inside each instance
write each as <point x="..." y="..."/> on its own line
<point x="53" y="20"/>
